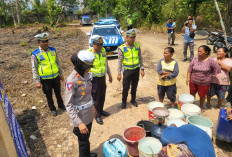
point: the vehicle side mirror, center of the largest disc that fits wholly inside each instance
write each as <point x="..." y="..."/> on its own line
<point x="122" y="32"/>
<point x="88" y="34"/>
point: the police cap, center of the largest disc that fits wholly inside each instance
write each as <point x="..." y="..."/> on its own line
<point x="131" y="33"/>
<point x="86" y="56"/>
<point x="42" y="36"/>
<point x="97" y="39"/>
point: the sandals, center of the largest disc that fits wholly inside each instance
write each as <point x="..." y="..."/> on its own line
<point x="208" y="106"/>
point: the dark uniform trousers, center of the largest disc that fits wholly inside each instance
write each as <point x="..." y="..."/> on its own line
<point x="47" y="86"/>
<point x="99" y="94"/>
<point x="83" y="140"/>
<point x="130" y="77"/>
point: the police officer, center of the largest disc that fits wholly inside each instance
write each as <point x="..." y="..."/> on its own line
<point x="130" y="61"/>
<point x="78" y="100"/>
<point x="129" y="22"/>
<point x="47" y="71"/>
<point x="99" y="70"/>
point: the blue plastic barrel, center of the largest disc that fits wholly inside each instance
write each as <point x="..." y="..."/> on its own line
<point x="224" y="127"/>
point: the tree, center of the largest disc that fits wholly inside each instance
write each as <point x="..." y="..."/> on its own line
<point x="54" y="11"/>
<point x="12" y="13"/>
<point x="17" y="11"/>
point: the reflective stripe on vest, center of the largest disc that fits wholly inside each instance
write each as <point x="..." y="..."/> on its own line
<point x="99" y="64"/>
<point x="170" y="68"/>
<point x="47" y="65"/>
<point x="131" y="56"/>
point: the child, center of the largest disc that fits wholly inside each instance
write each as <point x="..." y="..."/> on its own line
<point x="168" y="70"/>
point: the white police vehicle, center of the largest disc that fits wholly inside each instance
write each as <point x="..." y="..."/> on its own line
<point x="112" y="40"/>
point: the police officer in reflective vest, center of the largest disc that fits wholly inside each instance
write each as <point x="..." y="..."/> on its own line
<point x="99" y="70"/>
<point x="47" y="71"/>
<point x="130" y="61"/>
<point x="129" y="22"/>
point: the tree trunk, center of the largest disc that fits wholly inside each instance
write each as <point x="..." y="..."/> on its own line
<point x="12" y="13"/>
<point x="228" y="18"/>
<point x="18" y="15"/>
<point x="222" y="23"/>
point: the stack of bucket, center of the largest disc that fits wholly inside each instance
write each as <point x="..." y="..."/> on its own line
<point x="185" y="98"/>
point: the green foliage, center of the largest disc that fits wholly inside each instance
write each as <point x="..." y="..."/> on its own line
<point x="54" y="10"/>
<point x="29" y="52"/>
<point x="23" y="43"/>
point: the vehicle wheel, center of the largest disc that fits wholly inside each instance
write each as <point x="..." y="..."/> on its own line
<point x="208" y="41"/>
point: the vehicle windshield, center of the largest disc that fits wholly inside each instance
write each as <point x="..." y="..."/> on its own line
<point x="104" y="31"/>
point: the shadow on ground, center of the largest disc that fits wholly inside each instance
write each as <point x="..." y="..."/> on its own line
<point x="28" y="123"/>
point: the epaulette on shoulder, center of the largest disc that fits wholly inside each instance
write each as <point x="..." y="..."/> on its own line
<point x="35" y="52"/>
<point x="52" y="48"/>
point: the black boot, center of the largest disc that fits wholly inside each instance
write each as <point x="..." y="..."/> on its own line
<point x="99" y="120"/>
<point x="134" y="103"/>
<point x="123" y="105"/>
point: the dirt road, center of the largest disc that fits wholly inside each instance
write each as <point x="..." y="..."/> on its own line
<point x="54" y="134"/>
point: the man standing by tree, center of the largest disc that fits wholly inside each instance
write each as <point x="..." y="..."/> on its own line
<point x="131" y="59"/>
<point x="171" y="32"/>
<point x="129" y="22"/>
<point x="189" y="30"/>
<point x="47" y="72"/>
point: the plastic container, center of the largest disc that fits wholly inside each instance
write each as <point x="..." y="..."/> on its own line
<point x="190" y="110"/>
<point x="146" y="125"/>
<point x="200" y="120"/>
<point x="151" y="106"/>
<point x="185" y="98"/>
<point x="114" y="148"/>
<point x="132" y="135"/>
<point x="175" y="114"/>
<point x="177" y="122"/>
<point x="208" y="130"/>
<point x="149" y="147"/>
<point x="224" y="127"/>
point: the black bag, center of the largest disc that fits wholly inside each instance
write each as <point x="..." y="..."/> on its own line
<point x="192" y="34"/>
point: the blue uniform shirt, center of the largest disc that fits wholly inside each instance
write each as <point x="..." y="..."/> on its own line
<point x="196" y="139"/>
<point x="170" y="26"/>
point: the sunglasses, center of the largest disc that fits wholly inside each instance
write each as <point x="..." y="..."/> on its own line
<point x="44" y="41"/>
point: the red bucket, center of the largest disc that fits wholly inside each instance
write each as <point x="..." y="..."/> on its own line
<point x="132" y="135"/>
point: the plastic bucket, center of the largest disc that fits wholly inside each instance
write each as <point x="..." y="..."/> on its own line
<point x="177" y="122"/>
<point x="190" y="110"/>
<point x="175" y="114"/>
<point x="146" y="125"/>
<point x="132" y="135"/>
<point x="151" y="106"/>
<point x="149" y="147"/>
<point x="208" y="130"/>
<point x="185" y="98"/>
<point x="200" y="120"/>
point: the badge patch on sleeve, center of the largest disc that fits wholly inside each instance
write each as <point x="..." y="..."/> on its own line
<point x="69" y="85"/>
<point x="33" y="57"/>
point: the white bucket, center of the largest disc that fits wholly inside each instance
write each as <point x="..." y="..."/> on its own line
<point x="190" y="110"/>
<point x="208" y="130"/>
<point x="177" y="122"/>
<point x="175" y="114"/>
<point x="185" y="98"/>
<point x="149" y="147"/>
<point x="151" y="106"/>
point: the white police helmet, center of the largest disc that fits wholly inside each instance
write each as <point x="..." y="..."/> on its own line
<point x="86" y="56"/>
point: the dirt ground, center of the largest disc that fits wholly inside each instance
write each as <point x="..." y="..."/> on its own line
<point x="54" y="134"/>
